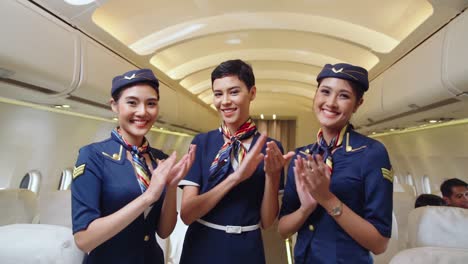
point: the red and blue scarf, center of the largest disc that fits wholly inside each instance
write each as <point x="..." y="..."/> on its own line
<point x="232" y="147"/>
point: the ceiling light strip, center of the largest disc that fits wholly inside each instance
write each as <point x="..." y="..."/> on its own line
<point x="66" y="112"/>
<point x="419" y="128"/>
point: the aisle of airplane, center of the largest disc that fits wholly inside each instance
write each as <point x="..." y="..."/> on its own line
<point x="57" y="61"/>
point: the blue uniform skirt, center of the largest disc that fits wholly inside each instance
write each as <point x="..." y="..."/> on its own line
<point x="203" y="244"/>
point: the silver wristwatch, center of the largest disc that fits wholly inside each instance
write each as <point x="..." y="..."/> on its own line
<point x="337" y="210"/>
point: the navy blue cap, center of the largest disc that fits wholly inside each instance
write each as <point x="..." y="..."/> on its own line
<point x="346" y="72"/>
<point x="134" y="77"/>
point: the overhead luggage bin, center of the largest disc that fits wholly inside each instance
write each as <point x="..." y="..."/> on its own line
<point x="98" y="67"/>
<point x="38" y="49"/>
<point x="454" y="67"/>
<point x="431" y="76"/>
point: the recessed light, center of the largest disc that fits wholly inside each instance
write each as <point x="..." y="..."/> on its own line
<point x="79" y="2"/>
<point x="432" y="121"/>
<point x="66" y="106"/>
<point x="262" y="116"/>
<point x="274" y="116"/>
<point x="234" y="41"/>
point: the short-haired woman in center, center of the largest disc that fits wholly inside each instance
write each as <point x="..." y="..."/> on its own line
<point x="232" y="188"/>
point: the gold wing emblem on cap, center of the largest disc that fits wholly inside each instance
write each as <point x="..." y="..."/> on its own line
<point x="129" y="78"/>
<point x="337" y="71"/>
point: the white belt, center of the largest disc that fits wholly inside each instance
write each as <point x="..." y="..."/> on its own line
<point x="230" y="229"/>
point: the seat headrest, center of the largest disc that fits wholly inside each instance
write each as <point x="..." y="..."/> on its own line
<point x="18" y="206"/>
<point x="37" y="243"/>
<point x="438" y="226"/>
<point x="431" y="255"/>
<point x="49" y="202"/>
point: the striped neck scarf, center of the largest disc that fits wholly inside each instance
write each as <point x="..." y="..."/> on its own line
<point x="233" y="146"/>
<point x="325" y="150"/>
<point x="143" y="173"/>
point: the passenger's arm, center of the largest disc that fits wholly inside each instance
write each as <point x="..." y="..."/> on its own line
<point x="291" y="223"/>
<point x="195" y="205"/>
<point x="168" y="216"/>
<point x="317" y="181"/>
<point x="273" y="166"/>
<point x="104" y="228"/>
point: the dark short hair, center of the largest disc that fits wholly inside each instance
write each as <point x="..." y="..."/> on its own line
<point x="446" y="186"/>
<point x="237" y="68"/>
<point x="428" y="199"/>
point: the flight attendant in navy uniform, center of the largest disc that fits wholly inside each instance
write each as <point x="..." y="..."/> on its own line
<point x="338" y="193"/>
<point x="232" y="188"/>
<point x="122" y="191"/>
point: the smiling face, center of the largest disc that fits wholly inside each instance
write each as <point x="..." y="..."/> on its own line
<point x="232" y="98"/>
<point x="335" y="102"/>
<point x="137" y="109"/>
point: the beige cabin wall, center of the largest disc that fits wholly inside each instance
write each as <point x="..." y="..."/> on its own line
<point x="49" y="142"/>
<point x="440" y="153"/>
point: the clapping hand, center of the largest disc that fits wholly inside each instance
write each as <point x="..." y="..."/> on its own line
<point x="250" y="162"/>
<point x="275" y="160"/>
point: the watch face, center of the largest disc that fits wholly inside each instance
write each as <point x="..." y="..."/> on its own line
<point x="336" y="211"/>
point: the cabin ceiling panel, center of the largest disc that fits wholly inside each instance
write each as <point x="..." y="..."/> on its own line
<point x="157" y="26"/>
<point x="294" y="42"/>
<point x="186" y="68"/>
<point x="286" y="41"/>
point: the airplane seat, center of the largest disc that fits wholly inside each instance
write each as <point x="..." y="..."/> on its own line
<point x="437" y="234"/>
<point x="403" y="204"/>
<point x="431" y="255"/>
<point x="38" y="243"/>
<point x="438" y="226"/>
<point x="18" y="206"/>
<point x="55" y="208"/>
<point x="393" y="245"/>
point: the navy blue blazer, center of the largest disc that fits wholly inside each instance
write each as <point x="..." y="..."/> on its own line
<point x="104" y="181"/>
<point x="362" y="180"/>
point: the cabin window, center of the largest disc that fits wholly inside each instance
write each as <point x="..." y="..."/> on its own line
<point x="31" y="181"/>
<point x="409" y="180"/>
<point x="426" y="184"/>
<point x="65" y="180"/>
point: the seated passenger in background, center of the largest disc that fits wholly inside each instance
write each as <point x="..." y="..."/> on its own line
<point x="428" y="199"/>
<point x="122" y="193"/>
<point x="455" y="192"/>
<point x="338" y="194"/>
<point x="232" y="189"/>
